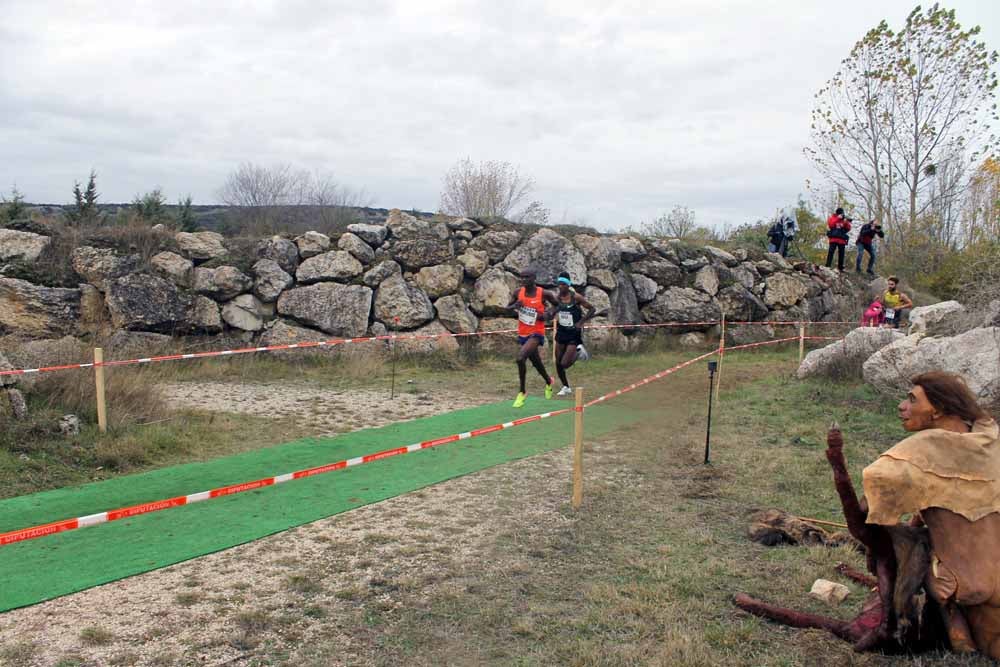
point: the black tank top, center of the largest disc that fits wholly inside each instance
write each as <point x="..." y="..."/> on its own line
<point x="569" y="314"/>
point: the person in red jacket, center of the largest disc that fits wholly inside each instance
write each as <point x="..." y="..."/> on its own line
<point x="838" y="232"/>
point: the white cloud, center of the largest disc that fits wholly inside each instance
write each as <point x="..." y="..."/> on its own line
<point x="618" y="110"/>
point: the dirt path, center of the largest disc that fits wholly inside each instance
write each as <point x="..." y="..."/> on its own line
<point x="321" y="410"/>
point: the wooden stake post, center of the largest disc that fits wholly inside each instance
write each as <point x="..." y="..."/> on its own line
<point x="578" y="451"/>
<point x="722" y="353"/>
<point x="802" y="341"/>
<point x="102" y="408"/>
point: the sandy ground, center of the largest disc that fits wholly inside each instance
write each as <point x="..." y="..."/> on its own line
<point x="320" y="410"/>
<point x="294" y="598"/>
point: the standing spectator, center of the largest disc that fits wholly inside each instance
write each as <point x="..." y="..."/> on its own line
<point x="866" y="241"/>
<point x="895" y="303"/>
<point x="838" y="232"/>
<point x="776" y="237"/>
<point x="789" y="229"/>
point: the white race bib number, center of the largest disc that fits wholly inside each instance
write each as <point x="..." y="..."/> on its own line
<point x="527" y="316"/>
<point x="890" y="313"/>
<point x="566" y="319"/>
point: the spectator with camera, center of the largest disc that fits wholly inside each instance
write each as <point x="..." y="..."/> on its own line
<point x="866" y="242"/>
<point x="838" y="232"/>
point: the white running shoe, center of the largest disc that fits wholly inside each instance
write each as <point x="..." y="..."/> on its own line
<point x="581" y="353"/>
<point x="565" y="391"/>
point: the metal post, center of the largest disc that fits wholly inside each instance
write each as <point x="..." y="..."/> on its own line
<point x="712" y="365"/>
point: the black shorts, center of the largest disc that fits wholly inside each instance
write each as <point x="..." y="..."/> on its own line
<point x="569" y="336"/>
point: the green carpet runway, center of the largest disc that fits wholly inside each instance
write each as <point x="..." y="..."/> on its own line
<point x="48" y="567"/>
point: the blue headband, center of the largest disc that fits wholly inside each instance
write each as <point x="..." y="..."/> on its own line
<point x="564" y="280"/>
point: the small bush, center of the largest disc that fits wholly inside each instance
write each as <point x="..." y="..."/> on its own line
<point x="96" y="636"/>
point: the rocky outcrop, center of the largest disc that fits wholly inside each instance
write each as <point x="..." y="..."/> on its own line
<point x="286" y="332"/>
<point x="783" y="290"/>
<point x="599" y="252"/>
<point x="975" y="355"/>
<point x="663" y="272"/>
<point x="474" y="262"/>
<point x="203" y="316"/>
<point x="496" y="244"/>
<point x="683" y="304"/>
<point x="440" y="341"/>
<point x="844" y="358"/>
<point x="341" y="310"/>
<point x="417" y="253"/>
<point x="99" y="265"/>
<point x="548" y="253"/>
<point x="373" y="235"/>
<point x="645" y="287"/>
<point x="440" y="280"/>
<point x="353" y="244"/>
<point x="400" y="305"/>
<point x="145" y="303"/>
<point x="18" y="246"/>
<point x="37" y="312"/>
<point x="245" y="313"/>
<point x="374" y="276"/>
<point x="201" y="245"/>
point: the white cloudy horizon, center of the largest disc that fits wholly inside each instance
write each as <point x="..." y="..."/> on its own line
<point x="619" y="111"/>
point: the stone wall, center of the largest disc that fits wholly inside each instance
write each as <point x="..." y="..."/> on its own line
<point x="412" y="274"/>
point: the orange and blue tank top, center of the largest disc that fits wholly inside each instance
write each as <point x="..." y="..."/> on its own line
<point x="529" y="312"/>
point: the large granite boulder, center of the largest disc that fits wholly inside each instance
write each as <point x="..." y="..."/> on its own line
<point x="844" y="358"/>
<point x="341" y="310"/>
<point x="440" y="280"/>
<point x="464" y="225"/>
<point x="201" y="245"/>
<point x="404" y="227"/>
<point x="624" y="301"/>
<point x="496" y="244"/>
<point x="945" y="317"/>
<point x="270" y="280"/>
<point x="505" y="340"/>
<point x="33" y="311"/>
<point x="682" y="304"/>
<point x="599" y="252"/>
<point x="603" y="278"/>
<point x="493" y="291"/>
<point x="783" y="289"/>
<point x="598" y="298"/>
<point x="740" y="304"/>
<point x="665" y="273"/>
<point x="222" y="283"/>
<point x="174" y="268"/>
<point x="719" y="256"/>
<point x="21" y="246"/>
<point x="975" y="355"/>
<point x="125" y="344"/>
<point x="99" y="265"/>
<point x="707" y="280"/>
<point x="375" y="275"/>
<point x="334" y="265"/>
<point x="244" y="313"/>
<point x="287" y="332"/>
<point x="455" y="315"/>
<point x="442" y="340"/>
<point x="415" y="254"/>
<point x="353" y="244"/>
<point x="311" y="244"/>
<point x="400" y="305"/>
<point x="146" y="303"/>
<point x="746" y="274"/>
<point x="548" y="253"/>
<point x="631" y="249"/>
<point x="203" y="316"/>
<point x="373" y="235"/>
<point x="645" y="287"/>
<point x="281" y="250"/>
<point x="474" y="262"/>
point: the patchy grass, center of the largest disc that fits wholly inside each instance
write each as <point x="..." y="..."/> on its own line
<point x="96" y="636"/>
<point x="20" y="654"/>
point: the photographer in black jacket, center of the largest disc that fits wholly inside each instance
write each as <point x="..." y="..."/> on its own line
<point x="866" y="241"/>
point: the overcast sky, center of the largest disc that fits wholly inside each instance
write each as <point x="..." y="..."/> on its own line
<point x="618" y="110"/>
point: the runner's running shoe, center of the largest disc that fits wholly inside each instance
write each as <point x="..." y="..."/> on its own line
<point x="581" y="353"/>
<point x="519" y="401"/>
<point x="548" y="390"/>
<point x="565" y="391"/>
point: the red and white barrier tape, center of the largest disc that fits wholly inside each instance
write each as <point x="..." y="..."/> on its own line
<point x="651" y="378"/>
<point x="34" y="532"/>
<point x="343" y="341"/>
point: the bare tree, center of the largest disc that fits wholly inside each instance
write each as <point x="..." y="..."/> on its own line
<point x="981" y="217"/>
<point x="258" y="192"/>
<point x="485" y="190"/>
<point x="679" y="223"/>
<point x="898" y="124"/>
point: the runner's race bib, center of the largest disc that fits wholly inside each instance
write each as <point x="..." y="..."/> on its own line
<point x="527" y="316"/>
<point x="890" y="313"/>
<point x="566" y="319"/>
